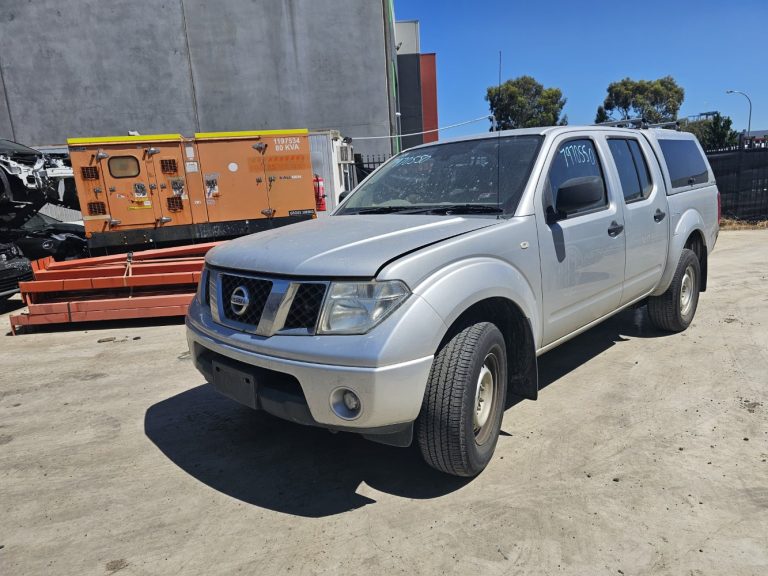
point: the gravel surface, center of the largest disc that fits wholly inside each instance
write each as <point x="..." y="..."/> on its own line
<point x="645" y="454"/>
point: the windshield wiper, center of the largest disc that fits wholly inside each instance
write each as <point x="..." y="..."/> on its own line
<point x="381" y="209"/>
<point x="463" y="209"/>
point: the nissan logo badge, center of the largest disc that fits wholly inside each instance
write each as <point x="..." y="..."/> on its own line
<point x="239" y="300"/>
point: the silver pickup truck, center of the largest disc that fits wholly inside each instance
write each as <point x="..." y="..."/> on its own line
<point x="426" y="297"/>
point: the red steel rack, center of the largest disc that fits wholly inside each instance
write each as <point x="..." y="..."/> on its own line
<point x="146" y="284"/>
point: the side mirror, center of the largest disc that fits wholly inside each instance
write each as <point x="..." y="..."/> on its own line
<point x="578" y="193"/>
<point x="343" y="195"/>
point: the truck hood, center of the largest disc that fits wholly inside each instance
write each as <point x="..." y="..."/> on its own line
<point x="339" y="246"/>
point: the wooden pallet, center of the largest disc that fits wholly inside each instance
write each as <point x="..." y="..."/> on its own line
<point x="147" y="284"/>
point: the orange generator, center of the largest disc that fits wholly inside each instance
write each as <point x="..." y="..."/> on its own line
<point x="164" y="189"/>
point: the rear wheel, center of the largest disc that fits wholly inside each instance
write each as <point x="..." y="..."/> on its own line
<point x="673" y="311"/>
<point x="460" y="418"/>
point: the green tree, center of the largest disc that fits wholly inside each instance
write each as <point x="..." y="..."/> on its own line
<point x="525" y="103"/>
<point x="601" y="116"/>
<point x="713" y="133"/>
<point x="653" y="100"/>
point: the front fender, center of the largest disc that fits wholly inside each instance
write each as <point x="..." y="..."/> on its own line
<point x="688" y="222"/>
<point x="458" y="286"/>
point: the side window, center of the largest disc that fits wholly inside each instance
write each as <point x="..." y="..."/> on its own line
<point x="632" y="168"/>
<point x="643" y="173"/>
<point x="684" y="161"/>
<point x="576" y="159"/>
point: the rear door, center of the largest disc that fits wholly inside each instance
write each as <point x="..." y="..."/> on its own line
<point x="582" y="256"/>
<point x="645" y="214"/>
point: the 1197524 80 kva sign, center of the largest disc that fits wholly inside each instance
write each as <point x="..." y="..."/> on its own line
<point x="426" y="297"/>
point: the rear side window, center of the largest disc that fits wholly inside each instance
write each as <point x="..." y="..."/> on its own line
<point x="632" y="168"/>
<point x="685" y="163"/>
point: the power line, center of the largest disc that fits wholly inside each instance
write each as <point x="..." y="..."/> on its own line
<point x="486" y="117"/>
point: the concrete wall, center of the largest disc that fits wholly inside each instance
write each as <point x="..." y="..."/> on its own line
<point x="100" y="67"/>
<point x="6" y="129"/>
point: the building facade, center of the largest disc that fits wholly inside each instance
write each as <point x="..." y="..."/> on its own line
<point x="85" y="68"/>
<point x="417" y="86"/>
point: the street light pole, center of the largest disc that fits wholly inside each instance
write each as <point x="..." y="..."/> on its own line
<point x="749" y="123"/>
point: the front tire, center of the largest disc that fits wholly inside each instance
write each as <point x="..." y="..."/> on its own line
<point x="460" y="418"/>
<point x="673" y="311"/>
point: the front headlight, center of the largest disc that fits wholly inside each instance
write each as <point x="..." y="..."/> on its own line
<point x="356" y="307"/>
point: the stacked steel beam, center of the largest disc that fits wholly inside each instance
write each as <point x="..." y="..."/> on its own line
<point x="147" y="284"/>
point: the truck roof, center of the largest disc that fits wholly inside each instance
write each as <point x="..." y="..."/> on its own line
<point x="655" y="133"/>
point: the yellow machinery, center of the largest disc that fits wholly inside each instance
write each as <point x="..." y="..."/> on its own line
<point x="165" y="189"/>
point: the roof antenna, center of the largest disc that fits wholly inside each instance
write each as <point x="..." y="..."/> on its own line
<point x="498" y="143"/>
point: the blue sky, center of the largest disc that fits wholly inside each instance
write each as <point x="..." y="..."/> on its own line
<point x="581" y="46"/>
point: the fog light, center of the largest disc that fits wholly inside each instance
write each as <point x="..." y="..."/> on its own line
<point x="345" y="403"/>
<point x="351" y="401"/>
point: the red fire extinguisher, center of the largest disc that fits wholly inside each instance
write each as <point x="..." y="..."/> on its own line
<point x="319" y="184"/>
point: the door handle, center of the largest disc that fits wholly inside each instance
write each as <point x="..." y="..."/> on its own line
<point x="615" y="229"/>
<point x="659" y="215"/>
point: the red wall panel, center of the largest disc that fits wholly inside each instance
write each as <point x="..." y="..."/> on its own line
<point x="429" y="96"/>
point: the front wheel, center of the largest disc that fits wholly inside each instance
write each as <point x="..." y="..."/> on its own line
<point x="460" y="418"/>
<point x="673" y="311"/>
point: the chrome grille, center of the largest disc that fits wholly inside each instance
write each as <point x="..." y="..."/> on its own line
<point x="258" y="292"/>
<point x="305" y="307"/>
<point x="275" y="305"/>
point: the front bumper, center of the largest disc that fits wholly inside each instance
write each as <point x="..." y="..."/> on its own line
<point x="390" y="395"/>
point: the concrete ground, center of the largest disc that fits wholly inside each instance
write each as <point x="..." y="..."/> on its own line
<point x="645" y="454"/>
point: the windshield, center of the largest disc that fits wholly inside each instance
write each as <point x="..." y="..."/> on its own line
<point x="473" y="176"/>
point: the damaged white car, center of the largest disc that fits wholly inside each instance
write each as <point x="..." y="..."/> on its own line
<point x="26" y="172"/>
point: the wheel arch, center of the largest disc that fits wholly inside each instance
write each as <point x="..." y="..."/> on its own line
<point x="508" y="317"/>
<point x="688" y="233"/>
<point x="489" y="289"/>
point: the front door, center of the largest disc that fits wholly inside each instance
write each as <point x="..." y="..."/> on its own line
<point x="583" y="254"/>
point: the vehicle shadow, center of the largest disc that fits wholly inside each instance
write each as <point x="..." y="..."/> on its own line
<point x="631" y="323"/>
<point x="308" y="471"/>
<point x="283" y="466"/>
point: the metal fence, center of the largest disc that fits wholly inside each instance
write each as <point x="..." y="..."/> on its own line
<point x="364" y="165"/>
<point x="742" y="178"/>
